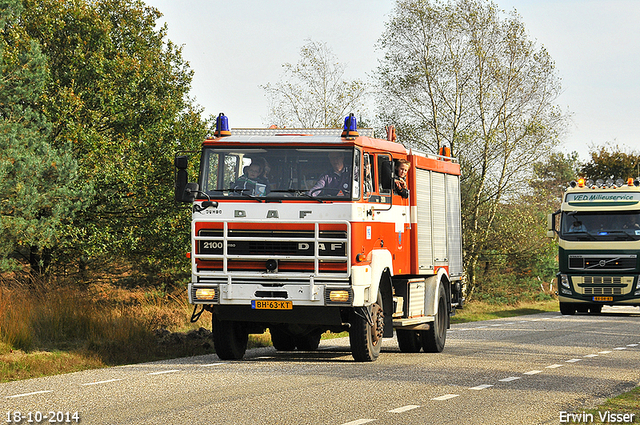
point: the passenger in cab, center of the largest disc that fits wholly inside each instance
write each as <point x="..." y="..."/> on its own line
<point x="337" y="182"/>
<point x="253" y="182"/>
<point x="400" y="180"/>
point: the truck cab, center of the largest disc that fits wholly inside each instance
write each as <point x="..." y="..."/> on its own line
<point x="599" y="245"/>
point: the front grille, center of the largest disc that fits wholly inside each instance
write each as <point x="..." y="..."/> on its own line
<point x="602" y="280"/>
<point x="602" y="262"/>
<point x="599" y="290"/>
<point x="297" y="248"/>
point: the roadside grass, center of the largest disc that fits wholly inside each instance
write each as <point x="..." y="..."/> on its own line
<point x="479" y="310"/>
<point x="628" y="403"/>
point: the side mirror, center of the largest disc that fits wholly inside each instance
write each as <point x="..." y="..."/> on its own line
<point x="181" y="163"/>
<point x="551" y="225"/>
<point x="190" y="192"/>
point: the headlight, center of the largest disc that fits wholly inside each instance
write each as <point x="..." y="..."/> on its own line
<point x="205" y="293"/>
<point x="564" y="281"/>
<point x="339" y="296"/>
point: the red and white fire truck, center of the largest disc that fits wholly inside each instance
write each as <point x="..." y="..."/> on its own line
<point x="302" y="232"/>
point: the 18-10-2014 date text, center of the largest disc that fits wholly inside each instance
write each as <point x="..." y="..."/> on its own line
<point x="59" y="417"/>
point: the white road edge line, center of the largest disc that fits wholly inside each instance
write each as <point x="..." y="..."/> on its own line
<point x="445" y="397"/>
<point x="28" y="394"/>
<point x="403" y="408"/>
<point x="101" y="382"/>
<point x="211" y="364"/>
<point x="163" y="372"/>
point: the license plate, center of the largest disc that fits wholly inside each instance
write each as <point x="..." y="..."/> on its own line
<point x="602" y="298"/>
<point x="271" y="305"/>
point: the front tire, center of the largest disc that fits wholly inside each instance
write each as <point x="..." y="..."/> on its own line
<point x="434" y="339"/>
<point x="229" y="339"/>
<point x="366" y="339"/>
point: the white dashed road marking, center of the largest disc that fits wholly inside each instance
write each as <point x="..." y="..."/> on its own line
<point x="532" y="372"/>
<point x="359" y="422"/>
<point x="573" y="361"/>
<point x="102" y="382"/>
<point x="554" y="366"/>
<point x="445" y="397"/>
<point x="509" y="379"/>
<point x="481" y="387"/>
<point x="403" y="408"/>
<point x="28" y="394"/>
<point x="163" y="372"/>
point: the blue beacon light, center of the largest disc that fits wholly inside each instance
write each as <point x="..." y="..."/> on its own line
<point x="222" y="126"/>
<point x="350" y="127"/>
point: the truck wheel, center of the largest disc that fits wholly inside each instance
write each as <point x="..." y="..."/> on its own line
<point x="308" y="342"/>
<point x="281" y="340"/>
<point x="366" y="339"/>
<point x="229" y="339"/>
<point x="582" y="308"/>
<point x="567" y="309"/>
<point x="595" y="309"/>
<point x="433" y="340"/>
<point x="408" y="341"/>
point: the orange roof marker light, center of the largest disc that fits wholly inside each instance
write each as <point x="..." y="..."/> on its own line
<point x="350" y="127"/>
<point x="581" y="182"/>
<point x="222" y="126"/>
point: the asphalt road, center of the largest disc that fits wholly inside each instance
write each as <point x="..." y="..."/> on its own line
<point x="525" y="370"/>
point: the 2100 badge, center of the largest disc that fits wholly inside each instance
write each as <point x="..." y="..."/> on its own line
<point x="52" y="417"/>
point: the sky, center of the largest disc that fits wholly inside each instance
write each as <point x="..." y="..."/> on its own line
<point x="235" y="46"/>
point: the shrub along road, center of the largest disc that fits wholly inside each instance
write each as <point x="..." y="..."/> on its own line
<point x="526" y="369"/>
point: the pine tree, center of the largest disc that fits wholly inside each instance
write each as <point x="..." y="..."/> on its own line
<point x="38" y="193"/>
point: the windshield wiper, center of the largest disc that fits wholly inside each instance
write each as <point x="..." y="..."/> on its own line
<point x="243" y="193"/>
<point x="580" y="234"/>
<point x="298" y="192"/>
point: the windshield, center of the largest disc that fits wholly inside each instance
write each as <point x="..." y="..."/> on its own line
<point x="601" y="226"/>
<point x="280" y="172"/>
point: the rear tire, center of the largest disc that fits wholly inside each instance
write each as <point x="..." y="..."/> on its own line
<point x="408" y="341"/>
<point x="281" y="340"/>
<point x="568" y="309"/>
<point x="229" y="339"/>
<point x="365" y="339"/>
<point x="434" y="339"/>
<point x="308" y="342"/>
